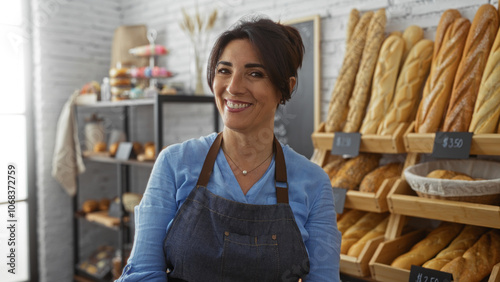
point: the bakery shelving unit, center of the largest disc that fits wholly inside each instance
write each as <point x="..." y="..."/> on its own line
<point x="358" y="267"/>
<point x="121" y="224"/>
<point x="403" y="203"/>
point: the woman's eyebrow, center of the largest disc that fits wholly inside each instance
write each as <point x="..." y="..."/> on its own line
<point x="249" y="65"/>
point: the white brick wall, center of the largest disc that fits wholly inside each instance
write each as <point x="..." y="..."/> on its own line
<point x="72" y="41"/>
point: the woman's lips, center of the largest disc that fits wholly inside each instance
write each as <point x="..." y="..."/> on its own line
<point x="235" y="106"/>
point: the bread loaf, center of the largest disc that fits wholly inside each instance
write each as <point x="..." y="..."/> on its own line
<point x="448" y="17"/>
<point x="437" y="90"/>
<point x="378" y="231"/>
<point x="470" y="70"/>
<point x="337" y="110"/>
<point x="360" y="95"/>
<point x="487" y="108"/>
<point x="478" y="261"/>
<point x="352" y="172"/>
<point x="359" y="229"/>
<point x="428" y="247"/>
<point x="411" y="36"/>
<point x="351" y="24"/>
<point x="348" y="219"/>
<point x="469" y="235"/>
<point x="333" y="167"/>
<point x="372" y="181"/>
<point x="408" y="87"/>
<point x="384" y="82"/>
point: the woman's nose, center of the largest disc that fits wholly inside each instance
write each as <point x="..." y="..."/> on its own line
<point x="236" y="84"/>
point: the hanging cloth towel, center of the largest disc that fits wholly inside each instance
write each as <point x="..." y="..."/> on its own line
<point x="67" y="162"/>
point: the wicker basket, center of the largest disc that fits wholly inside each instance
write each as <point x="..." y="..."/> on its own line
<point x="485" y="191"/>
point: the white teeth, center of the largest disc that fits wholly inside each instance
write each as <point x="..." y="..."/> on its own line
<point x="236" y="106"/>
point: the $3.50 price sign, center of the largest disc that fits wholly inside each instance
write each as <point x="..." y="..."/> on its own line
<point x="452" y="145"/>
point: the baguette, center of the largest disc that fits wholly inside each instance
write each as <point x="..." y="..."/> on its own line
<point x="411" y="35"/>
<point x="352" y="172"/>
<point x="478" y="261"/>
<point x="359" y="229"/>
<point x="333" y="167"/>
<point x="378" y="231"/>
<point x="487" y="108"/>
<point x="351" y="24"/>
<point x="372" y="181"/>
<point x="438" y="87"/>
<point x="408" y="87"/>
<point x="469" y="235"/>
<point x="428" y="247"/>
<point x="342" y="90"/>
<point x="359" y="98"/>
<point x="448" y="17"/>
<point x="468" y="78"/>
<point x="348" y="219"/>
<point x="384" y="82"/>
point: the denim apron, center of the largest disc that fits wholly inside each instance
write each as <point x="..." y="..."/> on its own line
<point x="216" y="239"/>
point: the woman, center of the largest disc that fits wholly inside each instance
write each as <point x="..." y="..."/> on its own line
<point x="239" y="206"/>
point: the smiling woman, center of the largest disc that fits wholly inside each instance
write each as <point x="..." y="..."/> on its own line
<point x="251" y="208"/>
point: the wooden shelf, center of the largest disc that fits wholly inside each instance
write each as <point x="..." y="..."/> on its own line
<point x="105" y="158"/>
<point x="403" y="200"/>
<point x="482" y="144"/>
<point x="370" y="143"/>
<point x="102" y="218"/>
<point x="370" y="202"/>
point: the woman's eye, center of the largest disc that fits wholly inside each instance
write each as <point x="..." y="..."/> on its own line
<point x="256" y="74"/>
<point x="223" y="71"/>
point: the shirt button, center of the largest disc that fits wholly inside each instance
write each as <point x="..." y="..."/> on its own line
<point x="226" y="233"/>
<point x="274" y="236"/>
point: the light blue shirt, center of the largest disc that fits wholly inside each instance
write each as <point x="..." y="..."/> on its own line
<point x="176" y="172"/>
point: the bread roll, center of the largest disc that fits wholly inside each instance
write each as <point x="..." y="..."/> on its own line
<point x="437" y="90"/>
<point x="348" y="219"/>
<point x="90" y="206"/>
<point x="351" y="24"/>
<point x="411" y="36"/>
<point x="487" y="108"/>
<point x="359" y="229"/>
<point x="352" y="172"/>
<point x="378" y="231"/>
<point x="342" y="90"/>
<point x="428" y="247"/>
<point x="468" y="78"/>
<point x="408" y="87"/>
<point x="360" y="94"/>
<point x="384" y="82"/>
<point x="372" y="181"/>
<point x="478" y="261"/>
<point x="469" y="235"/>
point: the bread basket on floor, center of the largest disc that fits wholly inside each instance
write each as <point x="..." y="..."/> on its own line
<point x="483" y="191"/>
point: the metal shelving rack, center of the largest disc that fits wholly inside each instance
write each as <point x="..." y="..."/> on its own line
<point x="123" y="167"/>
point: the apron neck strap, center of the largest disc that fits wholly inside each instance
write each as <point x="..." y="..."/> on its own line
<point x="279" y="173"/>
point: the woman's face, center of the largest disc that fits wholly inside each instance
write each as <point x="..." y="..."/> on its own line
<point x="244" y="94"/>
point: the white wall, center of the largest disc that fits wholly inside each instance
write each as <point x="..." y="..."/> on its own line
<point x="72" y="41"/>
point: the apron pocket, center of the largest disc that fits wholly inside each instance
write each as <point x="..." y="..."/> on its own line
<point x="256" y="256"/>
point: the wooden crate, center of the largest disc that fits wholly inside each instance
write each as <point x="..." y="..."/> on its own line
<point x="369" y="142"/>
<point x="358" y="266"/>
<point x="482" y="144"/>
<point x="380" y="264"/>
<point x="495" y="274"/>
<point x="369" y="201"/>
<point x="404" y="201"/>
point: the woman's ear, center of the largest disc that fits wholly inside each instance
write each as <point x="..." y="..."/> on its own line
<point x="292" y="82"/>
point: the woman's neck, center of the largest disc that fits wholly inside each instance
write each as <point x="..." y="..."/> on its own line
<point x="248" y="149"/>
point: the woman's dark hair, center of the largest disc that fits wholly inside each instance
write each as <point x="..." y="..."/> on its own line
<point x="279" y="46"/>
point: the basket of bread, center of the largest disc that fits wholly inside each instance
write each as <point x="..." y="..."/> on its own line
<point x="471" y="180"/>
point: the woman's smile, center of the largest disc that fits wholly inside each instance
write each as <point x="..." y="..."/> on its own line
<point x="236" y="106"/>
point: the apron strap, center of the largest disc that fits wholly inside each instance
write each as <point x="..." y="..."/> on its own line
<point x="279" y="172"/>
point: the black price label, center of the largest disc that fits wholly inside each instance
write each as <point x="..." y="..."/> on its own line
<point x="421" y="274"/>
<point x="452" y="145"/>
<point x="346" y="144"/>
<point x="339" y="195"/>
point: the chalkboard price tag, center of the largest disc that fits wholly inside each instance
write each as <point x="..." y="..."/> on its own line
<point x="452" y="145"/>
<point x="421" y="274"/>
<point x="346" y="144"/>
<point x="339" y="199"/>
<point x="125" y="151"/>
